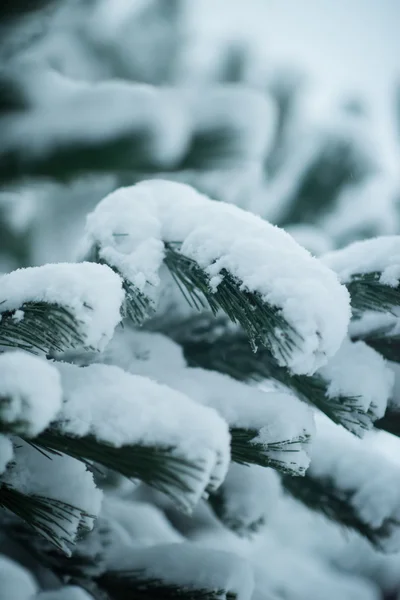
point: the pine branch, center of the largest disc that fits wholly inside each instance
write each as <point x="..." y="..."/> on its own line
<point x="230" y="353"/>
<point x="368" y="293"/>
<point x="245" y="450"/>
<point x="139" y="587"/>
<point x="137" y="306"/>
<point x="156" y="466"/>
<point x="322" y="496"/>
<point x="46" y="516"/>
<point x="261" y="321"/>
<point x="40" y="327"/>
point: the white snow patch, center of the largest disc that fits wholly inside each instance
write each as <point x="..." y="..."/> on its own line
<point x="30" y="392"/>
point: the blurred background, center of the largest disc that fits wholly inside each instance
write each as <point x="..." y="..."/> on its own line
<point x="321" y="160"/>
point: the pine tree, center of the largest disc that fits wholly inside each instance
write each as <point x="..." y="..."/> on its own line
<point x="193" y="385"/>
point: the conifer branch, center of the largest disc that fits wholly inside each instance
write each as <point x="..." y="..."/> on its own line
<point x="40" y="327"/>
<point x="367" y="292"/>
<point x="322" y="496"/>
<point x="137" y="306"/>
<point x="47" y="516"/>
<point x="262" y="322"/>
<point x="245" y="450"/>
<point x="230" y="353"/>
<point x="156" y="466"/>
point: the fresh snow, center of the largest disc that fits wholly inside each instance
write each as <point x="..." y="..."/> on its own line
<point x="30" y="393"/>
<point x="363" y="476"/>
<point x="380" y="254"/>
<point x="123" y="409"/>
<point x="129" y="228"/>
<point x="192" y="567"/>
<point x="357" y="371"/>
<point x="92" y="293"/>
<point x="278" y="417"/>
<point x="16" y="582"/>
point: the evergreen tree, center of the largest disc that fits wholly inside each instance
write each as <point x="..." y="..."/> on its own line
<point x="190" y="385"/>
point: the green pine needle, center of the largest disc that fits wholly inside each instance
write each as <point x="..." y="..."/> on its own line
<point x="228" y="352"/>
<point x="246" y="451"/>
<point x="368" y="293"/>
<point x="45" y="515"/>
<point x="263" y="323"/>
<point x="320" y="495"/>
<point x="44" y="328"/>
<point x="138" y="307"/>
<point x="156" y="466"/>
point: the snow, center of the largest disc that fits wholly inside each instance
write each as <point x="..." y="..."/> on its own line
<point x="123" y="409"/>
<point x="381" y="254"/>
<point x="58" y="477"/>
<point x="366" y="479"/>
<point x="6" y="452"/>
<point x="139" y="523"/>
<point x="218" y="236"/>
<point x="249" y="494"/>
<point x="358" y="371"/>
<point x="92" y="293"/>
<point x="277" y="417"/>
<point x="30" y="393"/>
<point x="192" y="567"/>
<point x="16" y="582"/>
<point x="310" y="237"/>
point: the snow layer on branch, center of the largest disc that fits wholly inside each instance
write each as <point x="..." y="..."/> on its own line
<point x="190" y="566"/>
<point x="16" y="583"/>
<point x="123" y="409"/>
<point x="357" y="371"/>
<point x="57" y="477"/>
<point x="381" y="254"/>
<point x="92" y="293"/>
<point x="364" y="477"/>
<point x="144" y="353"/>
<point x="137" y="523"/>
<point x="30" y="393"/>
<point x="310" y="578"/>
<point x="249" y="495"/>
<point x="279" y="417"/>
<point x="130" y="225"/>
<point x="6" y="452"/>
<point x="69" y="592"/>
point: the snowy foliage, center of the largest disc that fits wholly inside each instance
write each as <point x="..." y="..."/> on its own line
<point x="199" y="317"/>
